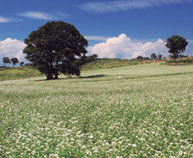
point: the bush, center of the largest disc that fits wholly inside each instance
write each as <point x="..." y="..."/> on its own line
<point x="180" y="60"/>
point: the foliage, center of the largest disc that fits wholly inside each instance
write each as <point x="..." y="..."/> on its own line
<point x="85" y="60"/>
<point x="112" y="63"/>
<point x="92" y="63"/>
<point x="146" y="58"/>
<point x="139" y="58"/>
<point x="188" y="60"/>
<point x="18" y="73"/>
<point x="160" y="57"/>
<point x="6" y="60"/>
<point x="176" y="45"/>
<point x="145" y="114"/>
<point x="153" y="56"/>
<point x="183" y="56"/>
<point x="14" y="61"/>
<point x="56" y="47"/>
<point x="21" y="63"/>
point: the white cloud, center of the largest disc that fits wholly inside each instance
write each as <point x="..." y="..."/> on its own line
<point x="116" y="5"/>
<point x="123" y="47"/>
<point x="115" y="47"/>
<point x="12" y="48"/>
<point x="4" y="20"/>
<point x="38" y="15"/>
<point x="44" y="15"/>
<point x="96" y="38"/>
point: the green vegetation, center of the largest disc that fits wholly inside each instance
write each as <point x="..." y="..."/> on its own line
<point x="14" y="61"/>
<point x="176" y="45"/>
<point x="18" y="73"/>
<point x="112" y="63"/>
<point x="180" y="61"/>
<point x="55" y="48"/>
<point x="147" y="113"/>
<point x="27" y="72"/>
<point x="6" y="60"/>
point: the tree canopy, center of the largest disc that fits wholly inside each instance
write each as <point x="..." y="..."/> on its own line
<point x="139" y="57"/>
<point x="21" y="63"/>
<point x="153" y="56"/>
<point x="14" y="61"/>
<point x="55" y="48"/>
<point x="6" y="60"/>
<point x="176" y="45"/>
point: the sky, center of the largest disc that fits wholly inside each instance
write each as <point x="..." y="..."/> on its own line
<point x="114" y="28"/>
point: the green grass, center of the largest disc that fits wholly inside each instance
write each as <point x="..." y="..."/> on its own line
<point x="180" y="61"/>
<point x="147" y="113"/>
<point x="28" y="72"/>
<point x="18" y="73"/>
<point x="112" y="63"/>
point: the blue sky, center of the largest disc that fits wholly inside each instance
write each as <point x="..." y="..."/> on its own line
<point x="137" y="23"/>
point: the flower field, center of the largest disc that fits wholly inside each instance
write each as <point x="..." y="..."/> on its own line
<point x="147" y="113"/>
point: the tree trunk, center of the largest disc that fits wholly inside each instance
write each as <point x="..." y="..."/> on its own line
<point x="50" y="71"/>
<point x="56" y="76"/>
<point x="49" y="76"/>
<point x="56" y="70"/>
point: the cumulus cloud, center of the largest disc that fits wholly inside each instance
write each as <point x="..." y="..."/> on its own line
<point x="123" y="47"/>
<point x="12" y="48"/>
<point x="114" y="5"/>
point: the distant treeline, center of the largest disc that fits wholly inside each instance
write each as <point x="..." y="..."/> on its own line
<point x="158" y="57"/>
<point x="181" y="59"/>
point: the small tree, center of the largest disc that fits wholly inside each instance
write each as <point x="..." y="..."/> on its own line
<point x="160" y="57"/>
<point x="183" y="56"/>
<point x="6" y="60"/>
<point x="176" y="45"/>
<point x="139" y="57"/>
<point x="153" y="56"/>
<point x="56" y="47"/>
<point x="21" y="63"/>
<point x="14" y="61"/>
<point x="146" y="58"/>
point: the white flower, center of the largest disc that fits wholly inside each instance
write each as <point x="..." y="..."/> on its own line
<point x="91" y="136"/>
<point x="134" y="145"/>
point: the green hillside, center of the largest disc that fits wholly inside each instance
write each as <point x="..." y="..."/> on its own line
<point x="28" y="72"/>
<point x="18" y="73"/>
<point x="112" y="63"/>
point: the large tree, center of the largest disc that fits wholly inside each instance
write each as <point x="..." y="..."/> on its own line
<point x="176" y="45"/>
<point x="6" y="60"/>
<point x="14" y="61"/>
<point x="56" y="47"/>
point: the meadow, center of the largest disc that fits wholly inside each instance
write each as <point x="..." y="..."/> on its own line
<point x="22" y="72"/>
<point x="147" y="113"/>
<point x="10" y="73"/>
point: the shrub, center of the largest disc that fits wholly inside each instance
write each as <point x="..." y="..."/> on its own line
<point x="180" y="60"/>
